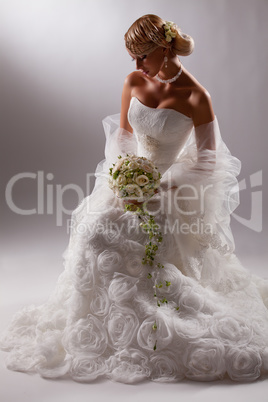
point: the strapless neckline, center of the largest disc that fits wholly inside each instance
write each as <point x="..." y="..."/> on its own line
<point x="160" y="109"/>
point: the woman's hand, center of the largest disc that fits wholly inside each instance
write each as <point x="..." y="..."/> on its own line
<point x="134" y="202"/>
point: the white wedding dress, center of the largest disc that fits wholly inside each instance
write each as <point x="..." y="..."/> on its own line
<point x="102" y="319"/>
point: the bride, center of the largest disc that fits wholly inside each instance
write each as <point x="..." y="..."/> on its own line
<point x="193" y="311"/>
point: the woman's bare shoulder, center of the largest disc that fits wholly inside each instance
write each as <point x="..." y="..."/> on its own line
<point x="135" y="78"/>
<point x="193" y="99"/>
<point x="202" y="110"/>
<point x="199" y="100"/>
<point x="132" y="81"/>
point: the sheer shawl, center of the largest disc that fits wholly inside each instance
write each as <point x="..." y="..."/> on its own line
<point x="198" y="193"/>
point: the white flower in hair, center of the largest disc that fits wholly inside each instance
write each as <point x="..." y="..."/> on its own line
<point x="170" y="31"/>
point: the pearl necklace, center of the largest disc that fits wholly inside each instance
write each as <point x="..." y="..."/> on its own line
<point x="170" y="79"/>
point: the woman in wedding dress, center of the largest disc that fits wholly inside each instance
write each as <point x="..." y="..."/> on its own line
<point x="195" y="312"/>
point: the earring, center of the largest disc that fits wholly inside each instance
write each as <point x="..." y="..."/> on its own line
<point x="165" y="61"/>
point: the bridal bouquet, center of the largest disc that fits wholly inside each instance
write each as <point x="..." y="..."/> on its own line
<point x="134" y="177"/>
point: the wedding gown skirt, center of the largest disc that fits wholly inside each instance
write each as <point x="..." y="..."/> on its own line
<point x="102" y="319"/>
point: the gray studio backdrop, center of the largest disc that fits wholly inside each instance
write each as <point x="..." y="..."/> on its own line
<point x="62" y="68"/>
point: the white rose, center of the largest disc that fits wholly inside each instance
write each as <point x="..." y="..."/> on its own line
<point x="140" y="160"/>
<point x="142" y="180"/>
<point x="135" y="175"/>
<point x="243" y="363"/>
<point x="109" y="261"/>
<point x="191" y="299"/>
<point x="132" y="166"/>
<point x="190" y="327"/>
<point x="128" y="366"/>
<point x="134" y="266"/>
<point x="147" y="168"/>
<point x="87" y="234"/>
<point x="128" y="373"/>
<point x="135" y="233"/>
<point x="231" y="330"/>
<point x="204" y="360"/>
<point x="122" y="288"/>
<point x="83" y="275"/>
<point x="122" y="324"/>
<point x="100" y="302"/>
<point x="86" y="337"/>
<point x="146" y="196"/>
<point x="85" y="369"/>
<point x="171" y="274"/>
<point x="119" y="164"/>
<point x="110" y="233"/>
<point x="163" y="335"/>
<point x="146" y="188"/>
<point x="144" y="302"/>
<point x="121" y="179"/>
<point x="121" y="193"/>
<point x="133" y="189"/>
<point x="165" y="367"/>
<point x="95" y="243"/>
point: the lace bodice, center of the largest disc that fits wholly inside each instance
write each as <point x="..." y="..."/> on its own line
<point x="160" y="133"/>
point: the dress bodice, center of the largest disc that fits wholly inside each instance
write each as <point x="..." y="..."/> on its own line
<point x="160" y="133"/>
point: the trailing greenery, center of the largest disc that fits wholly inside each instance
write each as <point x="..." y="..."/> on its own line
<point x="155" y="237"/>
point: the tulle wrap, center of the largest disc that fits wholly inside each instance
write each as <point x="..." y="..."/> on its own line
<point x="99" y="320"/>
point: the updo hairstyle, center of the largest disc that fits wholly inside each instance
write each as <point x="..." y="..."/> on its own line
<point x="148" y="33"/>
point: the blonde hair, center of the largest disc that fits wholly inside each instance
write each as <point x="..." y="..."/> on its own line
<point x="147" y="33"/>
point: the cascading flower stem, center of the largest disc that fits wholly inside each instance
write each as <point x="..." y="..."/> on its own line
<point x="136" y="178"/>
<point x="149" y="225"/>
<point x="155" y="237"/>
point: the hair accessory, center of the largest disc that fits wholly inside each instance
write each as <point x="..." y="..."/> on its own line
<point x="170" y="30"/>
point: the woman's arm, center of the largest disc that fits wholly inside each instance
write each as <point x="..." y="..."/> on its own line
<point x="204" y="123"/>
<point x="203" y="119"/>
<point x="202" y="113"/>
<point x="125" y="102"/>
